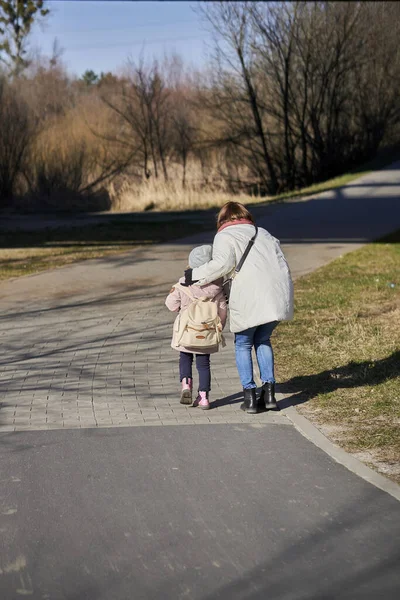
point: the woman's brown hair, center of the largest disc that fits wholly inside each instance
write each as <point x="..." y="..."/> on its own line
<point x="233" y="211"/>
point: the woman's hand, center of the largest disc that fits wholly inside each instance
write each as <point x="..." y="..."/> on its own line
<point x="188" y="278"/>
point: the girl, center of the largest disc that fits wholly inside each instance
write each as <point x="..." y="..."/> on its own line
<point x="177" y="300"/>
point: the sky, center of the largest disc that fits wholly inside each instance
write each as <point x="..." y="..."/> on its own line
<point x="102" y="35"/>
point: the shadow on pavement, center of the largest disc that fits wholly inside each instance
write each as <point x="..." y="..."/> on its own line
<point x="133" y="291"/>
<point x="303" y="388"/>
<point x="368" y="372"/>
<point x="232" y="399"/>
<point x="292" y="574"/>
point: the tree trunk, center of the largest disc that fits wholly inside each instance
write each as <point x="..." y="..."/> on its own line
<point x="258" y="122"/>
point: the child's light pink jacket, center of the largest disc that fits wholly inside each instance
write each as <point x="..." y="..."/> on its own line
<point x="177" y="300"/>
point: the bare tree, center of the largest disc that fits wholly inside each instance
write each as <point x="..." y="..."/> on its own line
<point x="303" y="89"/>
<point x="17" y="131"/>
<point x="184" y="133"/>
<point x="16" y="20"/>
<point x="142" y="106"/>
<point x="237" y="98"/>
<point x="274" y="45"/>
<point x="377" y="74"/>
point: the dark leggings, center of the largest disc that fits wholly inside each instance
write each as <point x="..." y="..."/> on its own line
<point x="203" y="368"/>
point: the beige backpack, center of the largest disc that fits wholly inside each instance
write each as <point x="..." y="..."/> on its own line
<point x="199" y="325"/>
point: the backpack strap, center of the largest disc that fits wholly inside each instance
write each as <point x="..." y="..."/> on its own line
<point x="248" y="248"/>
<point x="185" y="290"/>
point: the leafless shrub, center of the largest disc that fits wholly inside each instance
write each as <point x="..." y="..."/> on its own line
<point x="17" y="132"/>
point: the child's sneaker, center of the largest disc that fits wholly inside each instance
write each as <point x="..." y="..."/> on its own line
<point x="202" y="401"/>
<point x="186" y="393"/>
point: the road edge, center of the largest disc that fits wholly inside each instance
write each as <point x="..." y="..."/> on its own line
<point x="314" y="435"/>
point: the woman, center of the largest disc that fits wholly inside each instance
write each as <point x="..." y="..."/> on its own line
<point x="261" y="296"/>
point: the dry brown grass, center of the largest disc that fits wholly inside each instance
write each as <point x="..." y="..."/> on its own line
<point x="62" y="163"/>
<point x="157" y="194"/>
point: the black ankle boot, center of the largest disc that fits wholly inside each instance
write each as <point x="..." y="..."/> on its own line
<point x="267" y="397"/>
<point x="250" y="402"/>
<point x="261" y="403"/>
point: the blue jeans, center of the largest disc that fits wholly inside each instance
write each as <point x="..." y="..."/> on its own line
<point x="259" y="337"/>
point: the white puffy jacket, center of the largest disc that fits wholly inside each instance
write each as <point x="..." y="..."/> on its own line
<point x="262" y="291"/>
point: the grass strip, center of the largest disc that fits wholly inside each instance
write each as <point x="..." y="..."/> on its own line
<point x="340" y="356"/>
<point x="25" y="253"/>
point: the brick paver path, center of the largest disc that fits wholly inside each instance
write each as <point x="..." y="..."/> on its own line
<point x="74" y="360"/>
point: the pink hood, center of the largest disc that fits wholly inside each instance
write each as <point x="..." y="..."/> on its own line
<point x="210" y="289"/>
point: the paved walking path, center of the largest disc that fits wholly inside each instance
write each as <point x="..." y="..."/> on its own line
<point x="245" y="509"/>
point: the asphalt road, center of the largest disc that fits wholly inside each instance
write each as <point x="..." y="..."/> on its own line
<point x="221" y="511"/>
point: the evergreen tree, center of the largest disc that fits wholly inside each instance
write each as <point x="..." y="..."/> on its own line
<point x="90" y="77"/>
